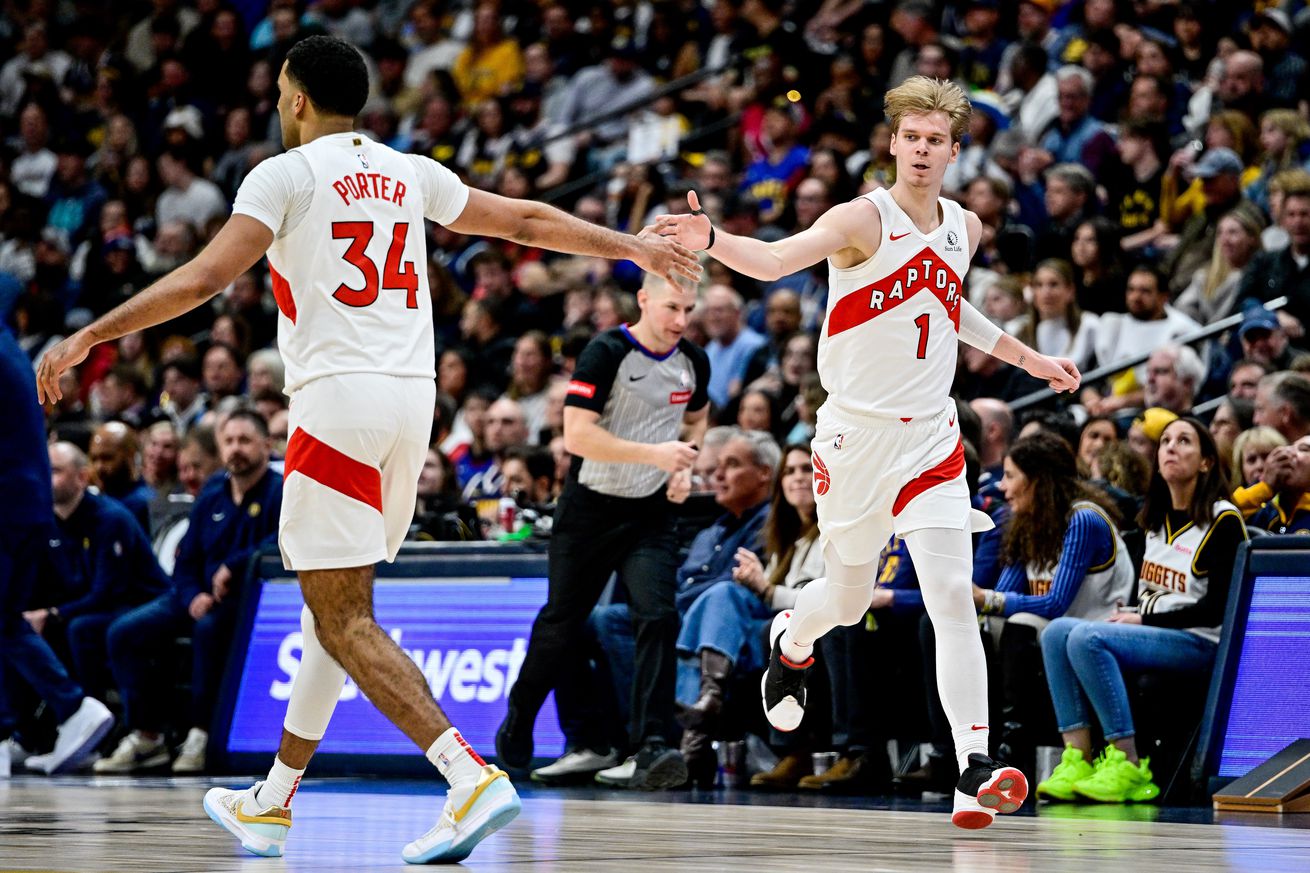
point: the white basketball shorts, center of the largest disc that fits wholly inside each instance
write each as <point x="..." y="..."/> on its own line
<point x="875" y="476"/>
<point x="356" y="447"/>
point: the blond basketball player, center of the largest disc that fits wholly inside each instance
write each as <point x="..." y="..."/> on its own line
<point x="341" y="219"/>
<point x="887" y="452"/>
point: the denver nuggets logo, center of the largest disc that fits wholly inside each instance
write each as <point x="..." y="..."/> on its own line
<point x="822" y="481"/>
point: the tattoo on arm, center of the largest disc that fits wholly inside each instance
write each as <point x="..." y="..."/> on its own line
<point x="1022" y="358"/>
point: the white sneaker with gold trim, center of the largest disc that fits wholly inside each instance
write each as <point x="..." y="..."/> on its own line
<point x="263" y="833"/>
<point x="493" y="804"/>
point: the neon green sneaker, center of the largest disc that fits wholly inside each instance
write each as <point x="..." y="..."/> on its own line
<point x="1116" y="780"/>
<point x="1073" y="768"/>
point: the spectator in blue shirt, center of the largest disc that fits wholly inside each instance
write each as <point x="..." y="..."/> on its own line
<point x="115" y="452"/>
<point x="235" y="515"/>
<point x="731" y="346"/>
<point x="26" y="519"/>
<point x="99" y="566"/>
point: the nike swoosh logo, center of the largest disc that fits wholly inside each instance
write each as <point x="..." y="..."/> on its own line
<point x="217" y="516"/>
<point x="638" y="378"/>
<point x="978" y="727"/>
<point x="951" y="423"/>
<point x="894" y="237"/>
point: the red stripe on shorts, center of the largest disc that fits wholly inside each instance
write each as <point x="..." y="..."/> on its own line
<point x="282" y="294"/>
<point x="947" y="470"/>
<point x="310" y="456"/>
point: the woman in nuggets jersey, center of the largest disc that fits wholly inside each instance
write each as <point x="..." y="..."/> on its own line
<point x="887" y="451"/>
<point x="1192" y="534"/>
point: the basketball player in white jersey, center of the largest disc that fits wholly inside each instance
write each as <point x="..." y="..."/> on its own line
<point x="341" y="219"/>
<point x="887" y="452"/>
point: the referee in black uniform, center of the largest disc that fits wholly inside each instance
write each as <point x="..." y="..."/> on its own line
<point x="636" y="392"/>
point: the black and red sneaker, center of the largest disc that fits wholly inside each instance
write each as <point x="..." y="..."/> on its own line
<point x="987" y="787"/>
<point x="783" y="684"/>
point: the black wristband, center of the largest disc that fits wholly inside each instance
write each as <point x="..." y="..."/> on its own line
<point x="709" y="245"/>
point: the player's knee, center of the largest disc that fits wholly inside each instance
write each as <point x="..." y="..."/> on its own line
<point x="335" y="629"/>
<point x="851" y="610"/>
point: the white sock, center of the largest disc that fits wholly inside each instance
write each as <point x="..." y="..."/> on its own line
<point x="280" y="786"/>
<point x="455" y="758"/>
<point x="970" y="739"/>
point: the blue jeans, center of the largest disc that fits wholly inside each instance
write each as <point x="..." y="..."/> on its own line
<point x="612" y="626"/>
<point x="729" y="619"/>
<point x="139" y="642"/>
<point x="21" y="648"/>
<point x="1085" y="660"/>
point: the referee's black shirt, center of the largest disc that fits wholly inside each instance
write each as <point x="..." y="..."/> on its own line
<point x="641" y="396"/>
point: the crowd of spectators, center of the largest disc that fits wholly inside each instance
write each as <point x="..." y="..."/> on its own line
<point x="1141" y="170"/>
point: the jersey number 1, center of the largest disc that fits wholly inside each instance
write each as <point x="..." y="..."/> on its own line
<point x="395" y="275"/>
<point x="922" y="323"/>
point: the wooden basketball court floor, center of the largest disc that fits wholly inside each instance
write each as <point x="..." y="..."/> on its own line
<point x="146" y="825"/>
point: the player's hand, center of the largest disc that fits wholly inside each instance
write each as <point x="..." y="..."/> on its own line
<point x="750" y="571"/>
<point x="692" y="231"/>
<point x="1059" y="373"/>
<point x="1119" y="617"/>
<point x="68" y="353"/>
<point x="664" y="256"/>
<point x="679" y="487"/>
<point x="673" y="456"/>
<point x="221" y="582"/>
<point x="200" y="605"/>
<point x="882" y="598"/>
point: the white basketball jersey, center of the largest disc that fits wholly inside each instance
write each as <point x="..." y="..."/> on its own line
<point x="1168" y="578"/>
<point x="349" y="263"/>
<point x="889" y="342"/>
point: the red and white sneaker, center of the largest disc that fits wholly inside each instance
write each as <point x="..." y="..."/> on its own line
<point x="783" y="684"/>
<point x="987" y="787"/>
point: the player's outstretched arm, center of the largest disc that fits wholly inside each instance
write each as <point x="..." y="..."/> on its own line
<point x="241" y="242"/>
<point x="1060" y="373"/>
<point x="850" y="225"/>
<point x="545" y="227"/>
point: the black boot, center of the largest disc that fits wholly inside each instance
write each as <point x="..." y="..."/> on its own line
<point x="702" y="764"/>
<point x="714" y="671"/>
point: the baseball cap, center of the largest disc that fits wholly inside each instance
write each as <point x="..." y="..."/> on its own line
<point x="1278" y="18"/>
<point x="1153" y="421"/>
<point x="188" y="118"/>
<point x="989" y="104"/>
<point x="1257" y="319"/>
<point x="1216" y="162"/>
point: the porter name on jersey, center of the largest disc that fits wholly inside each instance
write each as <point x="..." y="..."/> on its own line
<point x="369" y="186"/>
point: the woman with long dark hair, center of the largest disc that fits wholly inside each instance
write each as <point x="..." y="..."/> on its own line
<point x="1192" y="535"/>
<point x="1062" y="554"/>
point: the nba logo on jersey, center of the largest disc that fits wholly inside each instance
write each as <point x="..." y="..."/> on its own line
<point x="836" y="444"/>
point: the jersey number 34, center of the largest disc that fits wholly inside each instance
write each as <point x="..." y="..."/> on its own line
<point x="396" y="276"/>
